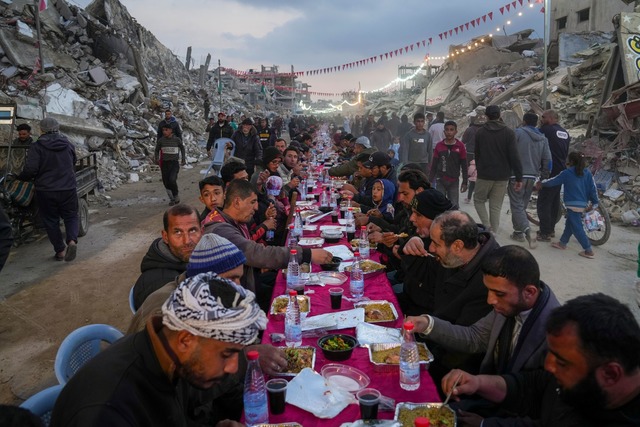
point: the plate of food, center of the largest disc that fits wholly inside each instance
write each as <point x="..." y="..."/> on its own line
<point x="407" y="412"/>
<point x="298" y="358"/>
<point x="304" y="204"/>
<point x="355" y="244"/>
<point x="368" y="266"/>
<point x="309" y="213"/>
<point x="386" y="357"/>
<point x="279" y="304"/>
<point x="378" y="311"/>
<point x="309" y="227"/>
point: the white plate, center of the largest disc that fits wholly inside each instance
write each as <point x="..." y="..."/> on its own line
<point x="332" y="278"/>
<point x="342" y="221"/>
<point x="311" y="241"/>
<point x="341" y="251"/>
<point x="335" y="228"/>
<point x="309" y="227"/>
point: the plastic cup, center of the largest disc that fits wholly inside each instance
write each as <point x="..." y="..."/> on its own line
<point x="368" y="398"/>
<point x="334" y="217"/>
<point x="336" y="297"/>
<point x="277" y="392"/>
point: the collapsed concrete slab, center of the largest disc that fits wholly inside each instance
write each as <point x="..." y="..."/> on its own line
<point x="89" y="127"/>
<point x="23" y="54"/>
<point x="65" y="101"/>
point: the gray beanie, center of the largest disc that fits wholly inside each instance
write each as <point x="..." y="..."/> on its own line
<point x="49" y="125"/>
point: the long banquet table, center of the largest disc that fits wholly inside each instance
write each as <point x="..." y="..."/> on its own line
<point x="376" y="288"/>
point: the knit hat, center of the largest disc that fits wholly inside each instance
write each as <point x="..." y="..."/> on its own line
<point x="214" y="253"/>
<point x="209" y="306"/>
<point x="49" y="125"/>
<point x="270" y="154"/>
<point x="364" y="141"/>
<point x="247" y="121"/>
<point x="492" y="110"/>
<point x="430" y="203"/>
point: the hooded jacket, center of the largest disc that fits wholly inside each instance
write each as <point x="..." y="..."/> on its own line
<point x="386" y="204"/>
<point x="534" y="152"/>
<point x="159" y="266"/>
<point x="51" y="163"/>
<point x="496" y="153"/>
<point x="248" y="147"/>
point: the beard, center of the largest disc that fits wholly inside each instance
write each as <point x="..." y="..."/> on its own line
<point x="451" y="261"/>
<point x="190" y="373"/>
<point x="585" y="395"/>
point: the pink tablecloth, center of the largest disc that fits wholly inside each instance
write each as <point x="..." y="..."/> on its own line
<point x="388" y="384"/>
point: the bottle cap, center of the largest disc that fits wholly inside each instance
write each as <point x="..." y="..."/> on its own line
<point x="408" y="326"/>
<point x="421" y="422"/>
<point x="292" y="293"/>
<point x="350" y="209"/>
<point x="293" y="252"/>
<point x="364" y="227"/>
<point x="253" y="355"/>
<point x="356" y="253"/>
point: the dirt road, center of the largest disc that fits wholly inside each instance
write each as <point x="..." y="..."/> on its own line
<point x="42" y="300"/>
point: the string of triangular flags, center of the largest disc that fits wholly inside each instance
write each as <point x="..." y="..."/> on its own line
<point x="476" y="22"/>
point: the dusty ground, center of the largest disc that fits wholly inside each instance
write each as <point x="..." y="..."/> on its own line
<point x="42" y="300"/>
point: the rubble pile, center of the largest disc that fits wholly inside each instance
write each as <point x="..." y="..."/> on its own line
<point x="107" y="80"/>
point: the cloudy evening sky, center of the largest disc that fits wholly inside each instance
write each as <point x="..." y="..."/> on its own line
<point x="313" y="34"/>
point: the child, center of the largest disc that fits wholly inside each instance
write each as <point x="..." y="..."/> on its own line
<point x="211" y="195"/>
<point x="393" y="156"/>
<point x="449" y="160"/>
<point x="382" y="196"/>
<point x="473" y="175"/>
<point x="579" y="190"/>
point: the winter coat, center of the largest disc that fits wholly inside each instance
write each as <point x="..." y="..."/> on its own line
<point x="496" y="153"/>
<point x="533" y="149"/>
<point x="248" y="147"/>
<point x="51" y="163"/>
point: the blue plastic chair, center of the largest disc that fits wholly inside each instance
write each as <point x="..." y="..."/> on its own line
<point x="41" y="404"/>
<point x="132" y="304"/>
<point x="219" y="147"/>
<point x="81" y="346"/>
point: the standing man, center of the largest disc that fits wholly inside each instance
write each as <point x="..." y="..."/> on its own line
<point x="248" y="147"/>
<point x="381" y="138"/>
<point x="266" y="134"/>
<point x="535" y="158"/>
<point x="549" y="197"/>
<point x="167" y="156"/>
<point x="436" y="128"/>
<point x="51" y="164"/>
<point x="205" y="325"/>
<point x="170" y="120"/>
<point x="449" y="159"/>
<point x="417" y="146"/>
<point x="496" y="159"/>
<point x="220" y="129"/>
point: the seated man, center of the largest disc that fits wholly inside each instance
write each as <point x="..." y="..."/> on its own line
<point x="211" y="195"/>
<point x="593" y="371"/>
<point x="167" y="256"/>
<point x="348" y="168"/>
<point x="290" y="168"/>
<point x="205" y="325"/>
<point x="449" y="285"/>
<point x="241" y="202"/>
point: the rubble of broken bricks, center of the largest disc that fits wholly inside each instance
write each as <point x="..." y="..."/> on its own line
<point x="108" y="81"/>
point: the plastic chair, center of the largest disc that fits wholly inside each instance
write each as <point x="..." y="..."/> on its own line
<point x="80" y="346"/>
<point x="132" y="304"/>
<point x="219" y="146"/>
<point x="41" y="404"/>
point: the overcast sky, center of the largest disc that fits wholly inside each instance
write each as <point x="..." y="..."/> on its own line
<point x="311" y="34"/>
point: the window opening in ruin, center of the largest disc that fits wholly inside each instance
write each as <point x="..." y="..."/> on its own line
<point x="583" y="15"/>
<point x="562" y="23"/>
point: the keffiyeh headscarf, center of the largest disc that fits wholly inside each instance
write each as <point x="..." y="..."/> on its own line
<point x="209" y="306"/>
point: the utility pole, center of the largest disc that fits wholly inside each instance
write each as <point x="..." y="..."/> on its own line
<point x="293" y="92"/>
<point x="41" y="58"/>
<point x="547" y="29"/>
<point x="426" y="85"/>
<point x="187" y="63"/>
<point x="220" y="85"/>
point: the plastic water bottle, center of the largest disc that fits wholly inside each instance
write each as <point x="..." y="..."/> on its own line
<point x="297" y="224"/>
<point x="363" y="244"/>
<point x="292" y="325"/>
<point x="255" y="393"/>
<point x="293" y="271"/>
<point x="356" y="283"/>
<point x="293" y="239"/>
<point x="334" y="199"/>
<point x="324" y="201"/>
<point x="351" y="224"/>
<point x="409" y="360"/>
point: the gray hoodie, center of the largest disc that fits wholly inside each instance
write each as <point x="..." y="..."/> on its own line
<point x="416" y="147"/>
<point x="534" y="152"/>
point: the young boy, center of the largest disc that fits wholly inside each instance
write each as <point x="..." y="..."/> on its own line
<point x="449" y="159"/>
<point x="211" y="195"/>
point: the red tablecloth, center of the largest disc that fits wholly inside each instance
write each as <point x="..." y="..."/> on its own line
<point x="388" y="384"/>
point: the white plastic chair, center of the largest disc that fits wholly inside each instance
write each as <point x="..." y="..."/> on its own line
<point x="219" y="146"/>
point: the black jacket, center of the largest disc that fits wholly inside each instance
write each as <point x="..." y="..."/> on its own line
<point x="496" y="153"/>
<point x="51" y="163"/>
<point x="248" y="147"/>
<point x="175" y="126"/>
<point x="217" y="131"/>
<point x="159" y="266"/>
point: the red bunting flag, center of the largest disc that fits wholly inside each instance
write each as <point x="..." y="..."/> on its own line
<point x="430" y="40"/>
<point x="411" y="47"/>
<point x="478" y="21"/>
<point x="484" y="18"/>
<point x="386" y="55"/>
<point x="542" y="10"/>
<point x="440" y="36"/>
<point x="521" y="1"/>
<point x="450" y="33"/>
<point x="391" y="54"/>
<point x="406" y="49"/>
<point x="445" y="35"/>
<point x="396" y="52"/>
<point x="456" y="30"/>
<point x="508" y="6"/>
<point x="424" y="42"/>
<point x="490" y="14"/>
<point x="513" y="3"/>
<point x="473" y="23"/>
<point x="461" y="28"/>
<point x="502" y="10"/>
<point x="467" y="25"/>
<point x="380" y="57"/>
